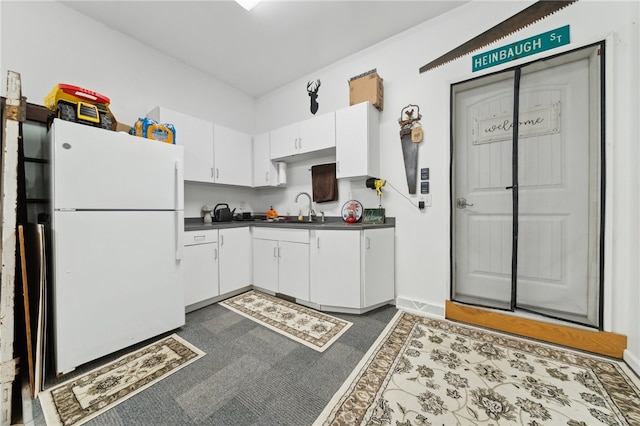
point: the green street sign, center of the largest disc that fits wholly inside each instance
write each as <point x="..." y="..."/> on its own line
<point x="520" y="49"/>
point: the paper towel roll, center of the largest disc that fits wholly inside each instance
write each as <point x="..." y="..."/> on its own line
<point x="281" y="168"/>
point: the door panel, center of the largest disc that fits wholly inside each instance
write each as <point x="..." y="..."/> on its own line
<point x="557" y="191"/>
<point x="553" y="175"/>
<point x="483" y="165"/>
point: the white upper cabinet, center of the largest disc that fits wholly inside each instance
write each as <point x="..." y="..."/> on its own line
<point x="233" y="155"/>
<point x="284" y="141"/>
<point x="318" y="133"/>
<point x="212" y="153"/>
<point x="314" y="136"/>
<point x="264" y="170"/>
<point x="357" y="141"/>
<point x="196" y="136"/>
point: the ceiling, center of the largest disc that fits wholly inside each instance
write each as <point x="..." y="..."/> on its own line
<point x="274" y="44"/>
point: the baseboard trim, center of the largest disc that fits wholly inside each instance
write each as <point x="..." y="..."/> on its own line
<point x="632" y="361"/>
<point x="420" y="308"/>
<point x="599" y="342"/>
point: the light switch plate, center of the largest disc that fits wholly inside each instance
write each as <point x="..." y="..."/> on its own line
<point x="424" y="173"/>
<point x="424" y="187"/>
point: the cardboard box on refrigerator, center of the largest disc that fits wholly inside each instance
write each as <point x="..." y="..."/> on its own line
<point x="367" y="87"/>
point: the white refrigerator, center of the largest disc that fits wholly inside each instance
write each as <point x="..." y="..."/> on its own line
<point x="116" y="228"/>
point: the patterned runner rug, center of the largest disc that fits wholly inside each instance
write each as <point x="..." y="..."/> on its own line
<point x="302" y="324"/>
<point x="85" y="397"/>
<point x="425" y="371"/>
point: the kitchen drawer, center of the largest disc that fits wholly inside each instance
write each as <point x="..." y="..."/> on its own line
<point x="200" y="237"/>
<point x="291" y="235"/>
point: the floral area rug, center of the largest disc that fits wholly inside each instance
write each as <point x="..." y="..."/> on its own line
<point x="304" y="325"/>
<point x="425" y="371"/>
<point x="85" y="397"/>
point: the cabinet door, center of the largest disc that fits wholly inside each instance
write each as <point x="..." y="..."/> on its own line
<point x="284" y="141"/>
<point x="317" y="133"/>
<point x="379" y="260"/>
<point x="235" y="258"/>
<point x="196" y="136"/>
<point x="336" y="280"/>
<point x="265" y="264"/>
<point x="264" y="170"/>
<point x="357" y="136"/>
<point x="293" y="271"/>
<point x="200" y="266"/>
<point x="232" y="156"/>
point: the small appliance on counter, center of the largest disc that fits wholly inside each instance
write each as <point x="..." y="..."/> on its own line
<point x="222" y="213"/>
<point x="207" y="210"/>
<point x="243" y="216"/>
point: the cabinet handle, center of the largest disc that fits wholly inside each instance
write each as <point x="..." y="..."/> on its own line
<point x="212" y="172"/>
<point x="368" y="243"/>
<point x="274" y="252"/>
<point x="299" y="143"/>
<point x="295" y="143"/>
<point x="215" y="254"/>
<point x="217" y="173"/>
<point x="317" y="242"/>
<point x="221" y="240"/>
<point x="266" y="177"/>
<point x="279" y="251"/>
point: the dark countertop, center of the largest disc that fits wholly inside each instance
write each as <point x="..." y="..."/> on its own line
<point x="331" y="222"/>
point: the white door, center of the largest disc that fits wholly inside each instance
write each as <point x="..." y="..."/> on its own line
<point x="553" y="225"/>
<point x="317" y="133"/>
<point x="284" y="141"/>
<point x="196" y="136"/>
<point x="293" y="269"/>
<point x="117" y="282"/>
<point x="99" y="169"/>
<point x="235" y="255"/>
<point x="233" y="156"/>
<point x="265" y="264"/>
<point x="200" y="266"/>
<point x="337" y="277"/>
<point x="379" y="271"/>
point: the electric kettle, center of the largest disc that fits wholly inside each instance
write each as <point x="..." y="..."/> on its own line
<point x="222" y="213"/>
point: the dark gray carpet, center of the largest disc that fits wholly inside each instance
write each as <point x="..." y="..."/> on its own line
<point x="250" y="375"/>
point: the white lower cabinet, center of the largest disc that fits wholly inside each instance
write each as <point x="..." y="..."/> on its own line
<point x="200" y="266"/>
<point x="235" y="258"/>
<point x="281" y="261"/>
<point x="353" y="269"/>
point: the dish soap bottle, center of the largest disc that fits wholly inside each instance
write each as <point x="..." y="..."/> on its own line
<point x="300" y="218"/>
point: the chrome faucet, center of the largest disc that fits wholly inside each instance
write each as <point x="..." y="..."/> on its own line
<point x="311" y="212"/>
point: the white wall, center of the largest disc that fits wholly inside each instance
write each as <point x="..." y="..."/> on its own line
<point x="49" y="43"/>
<point x="422" y="238"/>
<point x="137" y="79"/>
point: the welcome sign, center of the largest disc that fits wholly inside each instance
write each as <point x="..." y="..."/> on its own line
<point x="520" y="49"/>
<point x="539" y="121"/>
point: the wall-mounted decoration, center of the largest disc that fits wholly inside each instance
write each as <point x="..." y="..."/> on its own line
<point x="312" y="90"/>
<point x="410" y="136"/>
<point x="520" y="49"/>
<point x="538" y="121"/>
<point x="522" y="19"/>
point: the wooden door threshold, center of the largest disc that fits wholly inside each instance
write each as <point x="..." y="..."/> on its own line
<point x="598" y="342"/>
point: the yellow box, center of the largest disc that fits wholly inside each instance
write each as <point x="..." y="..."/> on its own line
<point x="367" y="87"/>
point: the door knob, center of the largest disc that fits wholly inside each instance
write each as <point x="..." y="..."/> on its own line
<point x="461" y="203"/>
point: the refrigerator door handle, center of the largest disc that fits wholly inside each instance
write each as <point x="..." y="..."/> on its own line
<point x="179" y="180"/>
<point x="179" y="234"/>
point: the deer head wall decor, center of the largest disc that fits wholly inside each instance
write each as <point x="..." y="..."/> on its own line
<point x="312" y="89"/>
